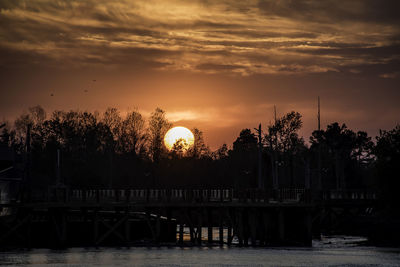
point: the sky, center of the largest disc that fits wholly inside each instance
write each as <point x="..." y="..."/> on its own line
<point x="220" y="66"/>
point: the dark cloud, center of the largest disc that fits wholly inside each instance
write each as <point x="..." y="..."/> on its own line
<point x="372" y="52"/>
<point x="88" y="32"/>
<point x="331" y="11"/>
<point x="222" y="67"/>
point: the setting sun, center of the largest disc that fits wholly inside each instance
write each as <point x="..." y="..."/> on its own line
<point x="178" y="133"/>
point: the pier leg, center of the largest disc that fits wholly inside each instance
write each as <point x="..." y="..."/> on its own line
<point x="199" y="233"/>
<point x="63" y="228"/>
<point x="281" y="225"/>
<point x="229" y="238"/>
<point x="127" y="228"/>
<point x="169" y="228"/>
<point x="221" y="228"/>
<point x="221" y="234"/>
<point x="308" y="229"/>
<point x="265" y="225"/>
<point x="158" y="227"/>
<point x="95" y="226"/>
<point x="210" y="234"/>
<point x="191" y="226"/>
<point x="181" y="233"/>
<point x="210" y="229"/>
<point x="199" y="227"/>
<point x="28" y="232"/>
<point x="191" y="230"/>
<point x="245" y="220"/>
<point x="239" y="231"/>
<point x="253" y="227"/>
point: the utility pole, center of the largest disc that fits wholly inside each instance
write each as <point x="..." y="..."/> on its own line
<point x="260" y="183"/>
<point x="58" y="182"/>
<point x="319" y="148"/>
<point x="27" y="183"/>
<point x="319" y="115"/>
<point x="275" y="155"/>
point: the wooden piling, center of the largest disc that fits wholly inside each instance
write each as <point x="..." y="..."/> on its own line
<point x="181" y="227"/>
<point x="221" y="227"/>
<point x="308" y="229"/>
<point x="281" y="225"/>
<point x="95" y="226"/>
<point x="253" y="226"/>
<point x="127" y="227"/>
<point x="210" y="229"/>
<point x="229" y="237"/>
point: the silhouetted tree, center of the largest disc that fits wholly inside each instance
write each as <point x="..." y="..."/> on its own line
<point x="221" y="153"/>
<point x="199" y="148"/>
<point x="283" y="135"/>
<point x="243" y="159"/>
<point x="8" y="136"/>
<point x="283" y="144"/>
<point x="179" y="148"/>
<point x="158" y="126"/>
<point x="341" y="150"/>
<point x="133" y="134"/>
<point x="120" y="151"/>
<point x="387" y="152"/>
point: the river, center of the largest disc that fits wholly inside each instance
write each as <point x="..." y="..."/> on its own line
<point x="330" y="251"/>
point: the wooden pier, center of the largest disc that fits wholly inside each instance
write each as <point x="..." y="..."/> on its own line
<point x="64" y="217"/>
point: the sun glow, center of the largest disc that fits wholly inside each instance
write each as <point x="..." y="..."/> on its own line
<point x="180" y="136"/>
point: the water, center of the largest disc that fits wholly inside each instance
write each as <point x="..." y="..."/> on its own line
<point x="330" y="251"/>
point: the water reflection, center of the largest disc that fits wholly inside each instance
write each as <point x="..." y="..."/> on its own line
<point x="329" y="251"/>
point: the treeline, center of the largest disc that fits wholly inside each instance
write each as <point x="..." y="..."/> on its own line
<point x="111" y="150"/>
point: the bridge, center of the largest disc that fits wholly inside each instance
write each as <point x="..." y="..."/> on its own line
<point x="62" y="217"/>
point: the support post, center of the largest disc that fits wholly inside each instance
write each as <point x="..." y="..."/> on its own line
<point x="127" y="227"/>
<point x="229" y="238"/>
<point x="209" y="222"/>
<point x="253" y="227"/>
<point x="319" y="186"/>
<point x="221" y="235"/>
<point x="221" y="229"/>
<point x="181" y="226"/>
<point x="158" y="227"/>
<point x="308" y="229"/>
<point x="95" y="226"/>
<point x="281" y="225"/>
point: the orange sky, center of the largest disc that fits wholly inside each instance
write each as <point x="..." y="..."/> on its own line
<point x="216" y="65"/>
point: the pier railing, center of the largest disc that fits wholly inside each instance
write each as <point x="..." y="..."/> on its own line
<point x="223" y="195"/>
<point x="349" y="194"/>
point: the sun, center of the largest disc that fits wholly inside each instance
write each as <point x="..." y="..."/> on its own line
<point x="180" y="134"/>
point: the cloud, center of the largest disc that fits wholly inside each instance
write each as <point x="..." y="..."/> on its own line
<point x="331" y="11"/>
<point x="234" y="37"/>
<point x="391" y="75"/>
